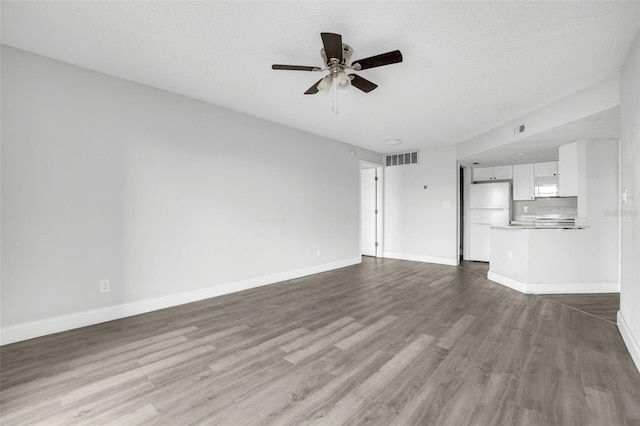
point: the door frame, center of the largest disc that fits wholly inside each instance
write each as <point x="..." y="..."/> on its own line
<point x="379" y="205"/>
<point x="463" y="210"/>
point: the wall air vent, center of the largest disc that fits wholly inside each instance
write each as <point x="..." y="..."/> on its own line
<point x="402" y="159"/>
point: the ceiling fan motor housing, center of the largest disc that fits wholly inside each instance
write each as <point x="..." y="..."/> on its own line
<point x="347" y="51"/>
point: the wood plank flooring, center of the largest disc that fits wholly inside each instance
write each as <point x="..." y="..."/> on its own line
<point x="601" y="305"/>
<point x="385" y="342"/>
<point x="478" y="267"/>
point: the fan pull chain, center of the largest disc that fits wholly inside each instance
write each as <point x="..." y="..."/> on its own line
<point x="334" y="95"/>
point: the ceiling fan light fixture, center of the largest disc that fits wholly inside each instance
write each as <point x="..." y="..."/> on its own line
<point x="343" y="80"/>
<point x="325" y="84"/>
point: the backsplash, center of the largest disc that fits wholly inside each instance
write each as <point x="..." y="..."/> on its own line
<point x="518" y="207"/>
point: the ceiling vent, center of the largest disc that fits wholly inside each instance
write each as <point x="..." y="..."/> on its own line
<point x="402" y="159"/>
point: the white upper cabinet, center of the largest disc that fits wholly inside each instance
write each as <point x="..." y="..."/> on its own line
<point x="502" y="172"/>
<point x="568" y="170"/>
<point x="523" y="182"/>
<point x="481" y="174"/>
<point x="548" y="169"/>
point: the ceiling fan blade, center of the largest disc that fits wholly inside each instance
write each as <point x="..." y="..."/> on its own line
<point x="332" y="46"/>
<point x="313" y="89"/>
<point x="362" y="83"/>
<point x="378" y="60"/>
<point x="294" y="67"/>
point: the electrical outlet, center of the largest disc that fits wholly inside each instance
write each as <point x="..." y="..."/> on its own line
<point x="319" y="252"/>
<point x="526" y="209"/>
<point x="105" y="286"/>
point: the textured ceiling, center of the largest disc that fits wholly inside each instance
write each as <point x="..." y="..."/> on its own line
<point x="544" y="146"/>
<point x="468" y="66"/>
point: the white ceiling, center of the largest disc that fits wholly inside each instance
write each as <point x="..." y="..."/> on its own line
<point x="468" y="66"/>
<point x="544" y="146"/>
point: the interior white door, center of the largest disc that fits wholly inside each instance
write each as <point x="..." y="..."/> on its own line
<point x="368" y="209"/>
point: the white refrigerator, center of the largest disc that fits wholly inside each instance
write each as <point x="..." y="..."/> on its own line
<point x="489" y="204"/>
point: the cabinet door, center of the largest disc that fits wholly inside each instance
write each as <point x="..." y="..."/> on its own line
<point x="568" y="170"/>
<point x="502" y="172"/>
<point x="523" y="177"/>
<point x="481" y="174"/>
<point x="548" y="169"/>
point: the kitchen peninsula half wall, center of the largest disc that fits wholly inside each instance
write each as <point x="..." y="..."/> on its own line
<point x="551" y="261"/>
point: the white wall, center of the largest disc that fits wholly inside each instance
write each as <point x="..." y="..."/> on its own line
<point x="162" y="194"/>
<point x="421" y="224"/>
<point x="629" y="317"/>
<point x="601" y="203"/>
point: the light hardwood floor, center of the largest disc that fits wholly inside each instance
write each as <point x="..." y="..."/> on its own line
<point x="385" y="342"/>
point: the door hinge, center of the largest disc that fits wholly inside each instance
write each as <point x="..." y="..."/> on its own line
<point x="376" y="244"/>
<point x="376" y="178"/>
<point x="376" y="211"/>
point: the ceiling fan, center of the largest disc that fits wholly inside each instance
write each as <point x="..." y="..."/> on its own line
<point x="337" y="57"/>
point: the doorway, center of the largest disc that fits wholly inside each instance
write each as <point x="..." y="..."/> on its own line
<point x="464" y="181"/>
<point x="370" y="209"/>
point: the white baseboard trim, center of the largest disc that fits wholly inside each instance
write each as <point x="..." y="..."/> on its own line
<point x="419" y="258"/>
<point x="507" y="282"/>
<point x="560" y="288"/>
<point x="29" y="330"/>
<point x="629" y="340"/>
